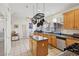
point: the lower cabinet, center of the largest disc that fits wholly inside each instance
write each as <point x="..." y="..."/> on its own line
<point x="52" y="40"/>
<point x="70" y="41"/>
<point x="40" y="48"/>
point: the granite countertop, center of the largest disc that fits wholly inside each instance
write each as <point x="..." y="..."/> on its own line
<point x="62" y="37"/>
<point x="38" y="38"/>
<point x="59" y="35"/>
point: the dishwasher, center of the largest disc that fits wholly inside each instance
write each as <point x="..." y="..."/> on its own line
<point x="61" y="44"/>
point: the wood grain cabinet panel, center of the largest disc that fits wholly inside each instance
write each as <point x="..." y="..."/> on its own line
<point x="70" y="41"/>
<point x="66" y="21"/>
<point x="77" y="19"/>
<point x="40" y="48"/>
<point x="54" y="41"/>
<point x="69" y="20"/>
<point x="34" y="47"/>
<point x="50" y="40"/>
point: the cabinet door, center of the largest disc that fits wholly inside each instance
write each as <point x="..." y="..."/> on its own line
<point x="66" y="21"/>
<point x="53" y="41"/>
<point x="69" y="20"/>
<point x="72" y="19"/>
<point x="70" y="41"/>
<point x="77" y="19"/>
<point x="50" y="40"/>
<point x="34" y="47"/>
<point x="42" y="48"/>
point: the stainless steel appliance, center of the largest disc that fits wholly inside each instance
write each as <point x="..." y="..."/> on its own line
<point x="61" y="41"/>
<point x="61" y="44"/>
<point x="72" y="50"/>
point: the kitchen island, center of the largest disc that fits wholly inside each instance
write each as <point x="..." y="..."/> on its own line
<point x="39" y="46"/>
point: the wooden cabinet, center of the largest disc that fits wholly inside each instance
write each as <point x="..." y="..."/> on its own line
<point x="66" y="21"/>
<point x="69" y="20"/>
<point x="49" y="40"/>
<point x="77" y="19"/>
<point x="34" y="47"/>
<point x="70" y="41"/>
<point x="53" y="41"/>
<point x="45" y="35"/>
<point x="40" y="48"/>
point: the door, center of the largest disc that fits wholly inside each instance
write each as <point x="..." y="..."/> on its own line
<point x="77" y="19"/>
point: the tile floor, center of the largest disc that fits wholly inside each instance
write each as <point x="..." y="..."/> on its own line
<point x="53" y="51"/>
<point x="19" y="48"/>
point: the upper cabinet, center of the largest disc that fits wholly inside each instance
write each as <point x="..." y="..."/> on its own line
<point x="77" y="19"/>
<point x="71" y="19"/>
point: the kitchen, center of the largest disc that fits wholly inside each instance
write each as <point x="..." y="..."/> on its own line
<point x="42" y="29"/>
<point x="63" y="37"/>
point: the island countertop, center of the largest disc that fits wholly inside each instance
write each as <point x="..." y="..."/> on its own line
<point x="38" y="38"/>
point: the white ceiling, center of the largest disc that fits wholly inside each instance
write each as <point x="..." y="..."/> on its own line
<point x="58" y="7"/>
<point x="23" y="10"/>
<point x="28" y="9"/>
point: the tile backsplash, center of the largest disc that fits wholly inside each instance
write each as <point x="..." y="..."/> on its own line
<point x="69" y="31"/>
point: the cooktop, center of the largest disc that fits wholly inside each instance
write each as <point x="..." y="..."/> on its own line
<point x="73" y="48"/>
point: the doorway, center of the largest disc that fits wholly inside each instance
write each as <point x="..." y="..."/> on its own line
<point x="2" y="23"/>
<point x="24" y="32"/>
